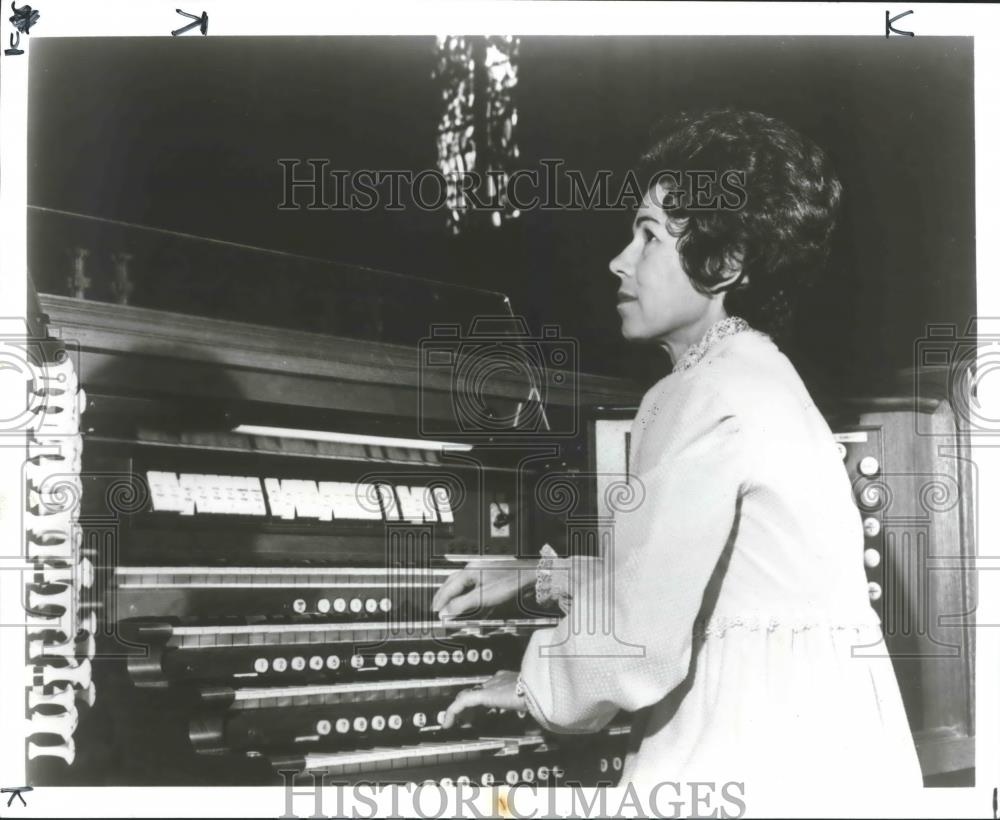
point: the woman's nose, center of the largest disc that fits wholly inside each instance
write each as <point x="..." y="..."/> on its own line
<point x="619" y="265"/>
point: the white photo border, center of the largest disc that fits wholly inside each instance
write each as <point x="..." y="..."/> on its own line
<point x="227" y="18"/>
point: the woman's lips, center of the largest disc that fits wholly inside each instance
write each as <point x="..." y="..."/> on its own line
<point x="624" y="300"/>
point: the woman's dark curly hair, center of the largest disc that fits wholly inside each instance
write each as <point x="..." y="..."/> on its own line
<point x="778" y="228"/>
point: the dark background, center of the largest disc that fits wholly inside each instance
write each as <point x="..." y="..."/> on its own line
<point x="184" y="134"/>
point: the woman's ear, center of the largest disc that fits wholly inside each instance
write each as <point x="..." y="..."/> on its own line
<point x="732" y="273"/>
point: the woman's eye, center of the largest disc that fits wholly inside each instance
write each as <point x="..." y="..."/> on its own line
<point x="647" y="235"/>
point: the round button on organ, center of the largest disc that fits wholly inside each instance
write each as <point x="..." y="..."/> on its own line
<point x="279" y="664"/>
<point x="419" y="719"/>
<point x="463" y="780"/>
<point x="872" y="526"/>
<point x="298" y="663"/>
<point x="543" y="772"/>
<point x="357" y="661"/>
<point x="486" y="779"/>
<point x="841" y="450"/>
<point x="356" y="605"/>
<point x="378" y="723"/>
<point x="457" y="656"/>
<point x="385" y="604"/>
<point x="371" y="606"/>
<point x="871" y="496"/>
<point x="323" y="605"/>
<point x="398" y="658"/>
<point x="512" y="777"/>
<point x="299" y="605"/>
<point x="487" y="655"/>
<point x="340" y="605"/>
<point x="528" y="775"/>
<point x="324" y="727"/>
<point x="261" y="665"/>
<point x="360" y="724"/>
<point x="428" y="657"/>
<point x="413" y="659"/>
<point x="333" y="662"/>
<point x="472" y="655"/>
<point x="316" y="663"/>
<point x="343" y="726"/>
<point x="395" y="722"/>
<point x="874" y="591"/>
<point x="872" y="558"/>
<point x="443" y="656"/>
<point x="869" y="466"/>
<point x="381" y="659"/>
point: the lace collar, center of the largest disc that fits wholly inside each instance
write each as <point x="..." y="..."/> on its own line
<point x="722" y="329"/>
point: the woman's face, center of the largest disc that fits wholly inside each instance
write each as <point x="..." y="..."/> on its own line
<point x="656" y="299"/>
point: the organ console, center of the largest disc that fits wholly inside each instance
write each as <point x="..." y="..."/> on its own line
<point x="264" y="524"/>
<point x="235" y="531"/>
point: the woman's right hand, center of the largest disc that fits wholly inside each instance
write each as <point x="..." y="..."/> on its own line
<point x="482" y="584"/>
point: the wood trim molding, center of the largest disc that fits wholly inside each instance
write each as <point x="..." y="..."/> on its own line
<point x="129" y="330"/>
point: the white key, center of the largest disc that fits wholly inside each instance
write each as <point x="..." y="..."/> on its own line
<point x="77" y="676"/>
<point x="62" y="599"/>
<point x="78" y="576"/>
<point x="62" y="724"/>
<point x="61" y="697"/>
<point x="66" y="624"/>
<point x="67" y="751"/>
<point x="68" y="649"/>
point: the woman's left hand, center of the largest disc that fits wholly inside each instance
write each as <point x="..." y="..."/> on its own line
<point x="498" y="692"/>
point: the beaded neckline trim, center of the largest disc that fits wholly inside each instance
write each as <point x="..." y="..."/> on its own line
<point x="722" y="329"/>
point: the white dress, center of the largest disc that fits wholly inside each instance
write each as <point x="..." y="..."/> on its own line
<point x="731" y="613"/>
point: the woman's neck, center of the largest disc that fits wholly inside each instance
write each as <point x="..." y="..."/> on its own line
<point x="680" y="340"/>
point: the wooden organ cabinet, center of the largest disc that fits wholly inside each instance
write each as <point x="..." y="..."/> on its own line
<point x="267" y="527"/>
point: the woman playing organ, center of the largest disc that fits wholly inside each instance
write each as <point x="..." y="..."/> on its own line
<point x="742" y="640"/>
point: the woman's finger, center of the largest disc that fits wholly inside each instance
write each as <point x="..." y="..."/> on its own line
<point x="455" y="583"/>
<point x="469" y="602"/>
<point x="465" y="699"/>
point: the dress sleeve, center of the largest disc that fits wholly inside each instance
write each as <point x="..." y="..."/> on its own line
<point x="627" y="638"/>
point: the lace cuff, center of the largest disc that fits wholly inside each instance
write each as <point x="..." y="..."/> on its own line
<point x="548" y="588"/>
